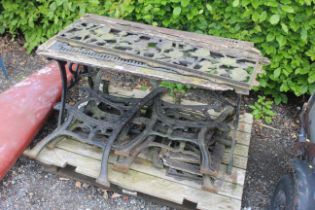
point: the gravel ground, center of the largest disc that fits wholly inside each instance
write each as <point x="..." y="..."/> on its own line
<point x="270" y="152"/>
<point x="28" y="186"/>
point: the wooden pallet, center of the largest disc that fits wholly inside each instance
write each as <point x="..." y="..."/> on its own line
<point x="145" y="179"/>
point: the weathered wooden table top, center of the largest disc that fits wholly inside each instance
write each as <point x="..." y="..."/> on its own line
<point x="159" y="53"/>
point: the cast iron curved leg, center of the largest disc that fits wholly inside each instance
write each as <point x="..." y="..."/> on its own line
<point x="205" y="156"/>
<point x="34" y="152"/>
<point x="126" y="150"/>
<point x="124" y="163"/>
<point x="103" y="177"/>
<point x="48" y="139"/>
<point x="64" y="81"/>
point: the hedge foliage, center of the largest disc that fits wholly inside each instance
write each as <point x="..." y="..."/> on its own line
<point x="284" y="30"/>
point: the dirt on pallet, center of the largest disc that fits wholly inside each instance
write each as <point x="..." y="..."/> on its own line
<point x="28" y="186"/>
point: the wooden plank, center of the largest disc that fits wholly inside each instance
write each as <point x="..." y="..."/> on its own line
<point x="196" y="37"/>
<point x="242" y="137"/>
<point x="69" y="172"/>
<point x="94" y="152"/>
<point x="230" y="185"/>
<point x="240" y="150"/>
<point x="238" y="162"/>
<point x="245" y="127"/>
<point x="141" y="182"/>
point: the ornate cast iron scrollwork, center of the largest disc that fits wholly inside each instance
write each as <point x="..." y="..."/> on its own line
<point x="98" y="120"/>
<point x="181" y="138"/>
<point x="157" y="53"/>
<point x="165" y="50"/>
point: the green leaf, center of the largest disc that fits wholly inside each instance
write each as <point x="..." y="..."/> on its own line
<point x="284" y="27"/>
<point x="304" y="34"/>
<point x="311" y="88"/>
<point x="287" y="9"/>
<point x="53" y="6"/>
<point x="262" y="108"/>
<point x="256" y="17"/>
<point x="277" y="99"/>
<point x="301" y="71"/>
<point x="270" y="112"/>
<point x="256" y="4"/>
<point x="271" y="3"/>
<point x="311" y="77"/>
<point x="209" y="7"/>
<point x="263" y="16"/>
<point x="281" y="40"/>
<point x="284" y="87"/>
<point x="274" y="19"/>
<point x="284" y="98"/>
<point x="277" y="73"/>
<point x="184" y="3"/>
<point x="236" y="3"/>
<point x="177" y="11"/>
<point x="268" y="120"/>
<point x="270" y="37"/>
<point x="294" y="26"/>
<point x="311" y="53"/>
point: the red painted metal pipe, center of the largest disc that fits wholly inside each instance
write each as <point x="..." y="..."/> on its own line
<point x="24" y="108"/>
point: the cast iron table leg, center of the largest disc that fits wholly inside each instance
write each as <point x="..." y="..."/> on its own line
<point x="63" y="74"/>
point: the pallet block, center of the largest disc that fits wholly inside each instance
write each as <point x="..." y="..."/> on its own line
<point x="143" y="178"/>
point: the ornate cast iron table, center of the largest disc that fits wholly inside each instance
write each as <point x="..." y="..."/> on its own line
<point x="183" y="134"/>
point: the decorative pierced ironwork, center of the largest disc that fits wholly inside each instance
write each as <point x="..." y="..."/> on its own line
<point x="165" y="50"/>
<point x="204" y="61"/>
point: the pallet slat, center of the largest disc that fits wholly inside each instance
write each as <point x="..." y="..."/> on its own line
<point x="139" y="182"/>
<point x="230" y="185"/>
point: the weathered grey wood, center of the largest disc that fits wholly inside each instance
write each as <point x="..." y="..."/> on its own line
<point x="69" y="172"/>
<point x="122" y="46"/>
<point x="237" y="177"/>
<point x="240" y="156"/>
<point x="208" y="39"/>
<point x="242" y="137"/>
<point x="238" y="161"/>
<point x="140" y="182"/>
<point x="230" y="185"/>
<point x="240" y="150"/>
<point x="140" y="71"/>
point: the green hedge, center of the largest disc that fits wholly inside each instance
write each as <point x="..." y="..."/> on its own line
<point x="284" y="30"/>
